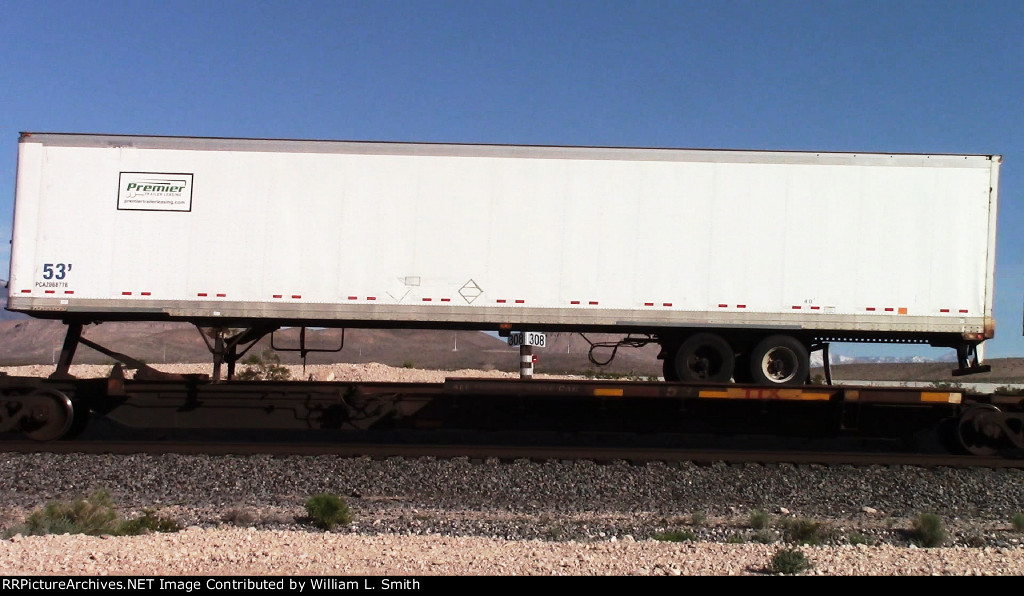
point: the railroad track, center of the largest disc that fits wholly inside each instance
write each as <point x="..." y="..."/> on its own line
<point x="511" y="452"/>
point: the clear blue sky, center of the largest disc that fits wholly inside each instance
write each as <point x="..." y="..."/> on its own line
<point x="863" y="75"/>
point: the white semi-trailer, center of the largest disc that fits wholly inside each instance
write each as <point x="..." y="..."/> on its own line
<point x="738" y="263"/>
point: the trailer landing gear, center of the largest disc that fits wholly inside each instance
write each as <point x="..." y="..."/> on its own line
<point x="968" y="361"/>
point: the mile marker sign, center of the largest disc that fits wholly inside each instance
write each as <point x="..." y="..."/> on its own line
<point x="527" y="339"/>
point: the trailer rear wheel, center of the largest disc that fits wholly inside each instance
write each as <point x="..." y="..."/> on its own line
<point x="704" y="357"/>
<point x="780" y="360"/>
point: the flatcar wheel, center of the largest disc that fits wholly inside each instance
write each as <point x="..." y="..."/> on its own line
<point x="979" y="429"/>
<point x="50" y="415"/>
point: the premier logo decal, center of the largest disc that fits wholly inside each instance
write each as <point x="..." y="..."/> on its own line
<point x="150" y="191"/>
<point x="155" y="187"/>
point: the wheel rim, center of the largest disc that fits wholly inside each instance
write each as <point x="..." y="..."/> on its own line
<point x="705" y="358"/>
<point x="780" y="364"/>
<point x="705" y="363"/>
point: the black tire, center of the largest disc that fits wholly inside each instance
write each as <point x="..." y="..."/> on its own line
<point x="704" y="357"/>
<point x="780" y="360"/>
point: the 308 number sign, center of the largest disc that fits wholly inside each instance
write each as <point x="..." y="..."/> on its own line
<point x="527" y="339"/>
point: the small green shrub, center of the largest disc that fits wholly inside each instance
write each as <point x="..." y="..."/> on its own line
<point x="790" y="561"/>
<point x="699" y="518"/>
<point x="1018" y="522"/>
<point x="267" y="367"/>
<point x="148" y="523"/>
<point x="804" y="531"/>
<point x="328" y="510"/>
<point x="93" y="516"/>
<point x="675" y="536"/>
<point x="929" y="531"/>
<point x="408" y="364"/>
<point x="735" y="538"/>
<point x="1009" y="390"/>
<point x="759" y="520"/>
<point x="763" y="537"/>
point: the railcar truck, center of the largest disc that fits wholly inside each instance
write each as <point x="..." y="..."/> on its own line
<point x="738" y="263"/>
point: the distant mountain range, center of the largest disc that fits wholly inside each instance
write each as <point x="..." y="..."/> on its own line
<point x="836" y="358"/>
<point x="36" y="341"/>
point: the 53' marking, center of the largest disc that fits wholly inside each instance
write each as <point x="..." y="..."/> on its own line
<point x="56" y="270"/>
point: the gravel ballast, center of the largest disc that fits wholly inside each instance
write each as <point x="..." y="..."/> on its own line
<point x="419" y="517"/>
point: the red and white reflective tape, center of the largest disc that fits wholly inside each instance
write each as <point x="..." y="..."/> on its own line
<point x="525" y="364"/>
<point x="901" y="310"/>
